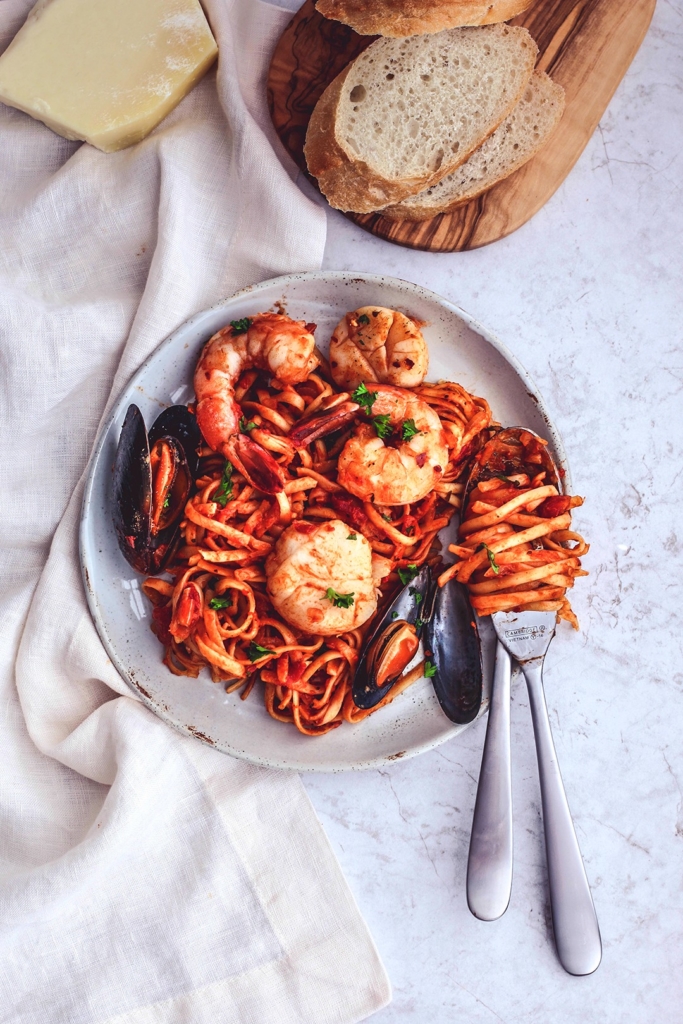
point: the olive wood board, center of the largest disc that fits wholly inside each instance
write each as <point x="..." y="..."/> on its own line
<point x="585" y="45"/>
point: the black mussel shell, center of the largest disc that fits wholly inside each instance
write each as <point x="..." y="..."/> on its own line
<point x="146" y="540"/>
<point x="163" y="549"/>
<point x="133" y="492"/>
<point x="408" y="606"/>
<point x="451" y="643"/>
<point x="178" y="422"/>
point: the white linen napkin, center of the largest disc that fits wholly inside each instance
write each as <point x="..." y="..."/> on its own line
<point x="145" y="877"/>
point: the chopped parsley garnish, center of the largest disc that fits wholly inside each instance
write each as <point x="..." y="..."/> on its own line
<point x="219" y="602"/>
<point x="386" y="518"/>
<point x="381" y="425"/>
<point x="365" y="398"/>
<point x="409" y="430"/>
<point x="167" y="500"/>
<point x="408" y="574"/>
<point x="244" y="425"/>
<point x="255" y="652"/>
<point x="394" y="615"/>
<point x="492" y="558"/>
<point x="224" y="492"/>
<point x="430" y="669"/>
<point x="419" y="623"/>
<point x="364" y="318"/>
<point x="339" y="600"/>
<point x="352" y="536"/>
<point x="414" y="592"/>
<point x="240" y="326"/>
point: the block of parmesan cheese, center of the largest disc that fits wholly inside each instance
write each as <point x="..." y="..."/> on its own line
<point x="106" y="71"/>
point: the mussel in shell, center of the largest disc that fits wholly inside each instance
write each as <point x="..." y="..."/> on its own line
<point x="178" y="422"/>
<point x="392" y="644"/>
<point x="442" y="618"/>
<point x="395" y="647"/>
<point x="153" y="476"/>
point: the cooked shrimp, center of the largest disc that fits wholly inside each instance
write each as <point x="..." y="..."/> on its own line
<point x="377" y="344"/>
<point x="394" y="471"/>
<point x="267" y="341"/>
<point x="320" y="577"/>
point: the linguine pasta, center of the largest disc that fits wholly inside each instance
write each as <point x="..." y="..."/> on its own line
<point x="513" y="551"/>
<point x="212" y="608"/>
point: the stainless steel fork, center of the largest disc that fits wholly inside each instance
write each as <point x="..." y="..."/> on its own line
<point x="526" y="636"/>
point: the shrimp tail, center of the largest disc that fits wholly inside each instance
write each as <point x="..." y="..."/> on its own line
<point x="254" y="463"/>
<point x="320" y="426"/>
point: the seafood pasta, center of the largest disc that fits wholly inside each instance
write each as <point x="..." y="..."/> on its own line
<point x="289" y="506"/>
<point x="512" y="551"/>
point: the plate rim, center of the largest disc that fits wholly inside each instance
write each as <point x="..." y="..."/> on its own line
<point x="284" y="280"/>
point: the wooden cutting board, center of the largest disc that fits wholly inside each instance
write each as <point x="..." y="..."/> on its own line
<point x="585" y="45"/>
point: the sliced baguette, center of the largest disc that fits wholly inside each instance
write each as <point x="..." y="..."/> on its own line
<point x="400" y="18"/>
<point x="407" y="112"/>
<point x="516" y="140"/>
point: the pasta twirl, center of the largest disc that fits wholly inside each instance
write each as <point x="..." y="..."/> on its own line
<point x="516" y="550"/>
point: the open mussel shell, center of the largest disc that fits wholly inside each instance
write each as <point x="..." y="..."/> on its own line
<point x="151" y="488"/>
<point x="451" y="643"/>
<point x="133" y="491"/>
<point x="179" y="423"/>
<point x="389" y="643"/>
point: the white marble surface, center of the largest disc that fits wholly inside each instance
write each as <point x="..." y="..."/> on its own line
<point x="589" y="295"/>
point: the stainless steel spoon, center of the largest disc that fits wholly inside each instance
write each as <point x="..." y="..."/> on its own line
<point x="489" y="866"/>
<point x="526" y="636"/>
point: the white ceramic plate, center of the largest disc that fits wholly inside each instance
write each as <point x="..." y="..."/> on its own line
<point x="460" y="349"/>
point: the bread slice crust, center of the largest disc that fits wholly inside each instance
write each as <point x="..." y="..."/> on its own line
<point x="401" y="18"/>
<point x="352" y="182"/>
<point x="543" y="101"/>
<point x="347" y="184"/>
